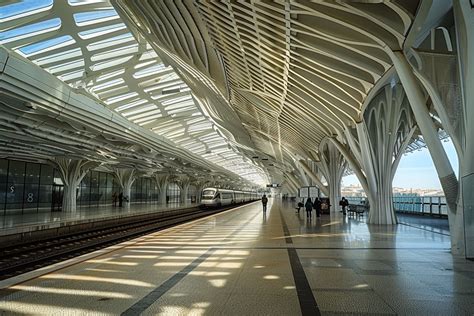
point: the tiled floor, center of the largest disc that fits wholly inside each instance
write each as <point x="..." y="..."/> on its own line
<point x="244" y="263"/>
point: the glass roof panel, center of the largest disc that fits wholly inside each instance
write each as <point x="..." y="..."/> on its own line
<point x="148" y="117"/>
<point x="18" y="9"/>
<point x="110" y="63"/>
<point x="126" y="50"/>
<point x="124" y="38"/>
<point x="44" y="46"/>
<point x="84" y="2"/>
<point x="101" y="31"/>
<point x="72" y="75"/>
<point x="66" y="66"/>
<point x="29" y="30"/>
<point x="73" y="53"/>
<point x="92" y="17"/>
<point x="149" y="71"/>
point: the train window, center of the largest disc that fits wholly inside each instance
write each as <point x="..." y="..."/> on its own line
<point x="218" y="195"/>
<point x="208" y="192"/>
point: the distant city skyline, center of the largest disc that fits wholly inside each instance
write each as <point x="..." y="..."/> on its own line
<point x="416" y="170"/>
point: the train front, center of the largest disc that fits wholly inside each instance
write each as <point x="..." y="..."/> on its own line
<point x="209" y="198"/>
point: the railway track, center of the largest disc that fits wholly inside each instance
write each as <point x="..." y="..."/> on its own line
<point x="22" y="258"/>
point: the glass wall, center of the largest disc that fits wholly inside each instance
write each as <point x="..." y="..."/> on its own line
<point x="24" y="186"/>
<point x="27" y="187"/>
<point x="144" y="190"/>
<point x="173" y="193"/>
<point x="97" y="188"/>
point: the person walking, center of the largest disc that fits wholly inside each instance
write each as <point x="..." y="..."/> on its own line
<point x="343" y="203"/>
<point x="309" y="207"/>
<point x="317" y="207"/>
<point x="264" y="203"/>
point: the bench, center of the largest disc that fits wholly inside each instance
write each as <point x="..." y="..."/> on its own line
<point x="356" y="210"/>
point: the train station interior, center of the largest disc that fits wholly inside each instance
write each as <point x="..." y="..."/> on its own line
<point x="156" y="157"/>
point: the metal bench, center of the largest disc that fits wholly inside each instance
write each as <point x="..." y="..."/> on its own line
<point x="356" y="210"/>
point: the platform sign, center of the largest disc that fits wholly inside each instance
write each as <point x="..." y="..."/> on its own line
<point x="273" y="185"/>
<point x="313" y="192"/>
<point x="303" y="192"/>
<point x="306" y="192"/>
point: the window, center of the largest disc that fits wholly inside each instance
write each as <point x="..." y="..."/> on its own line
<point x="208" y="192"/>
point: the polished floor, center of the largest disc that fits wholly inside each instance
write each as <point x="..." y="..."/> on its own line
<point x="242" y="262"/>
<point x="12" y="223"/>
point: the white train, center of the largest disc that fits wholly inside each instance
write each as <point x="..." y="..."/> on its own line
<point x="214" y="197"/>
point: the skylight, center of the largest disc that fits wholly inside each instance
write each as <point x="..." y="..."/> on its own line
<point x="87" y="18"/>
<point x="44" y="46"/>
<point x="19" y="9"/>
<point x="101" y="31"/>
<point x="29" y="30"/>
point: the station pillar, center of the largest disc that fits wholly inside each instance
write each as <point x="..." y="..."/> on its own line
<point x="72" y="172"/>
<point x="446" y="174"/>
<point x="464" y="21"/>
<point x="125" y="178"/>
<point x="332" y="165"/>
<point x="162" y="181"/>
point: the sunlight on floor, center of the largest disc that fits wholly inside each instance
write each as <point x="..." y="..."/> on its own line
<point x="96" y="279"/>
<point x="91" y="293"/>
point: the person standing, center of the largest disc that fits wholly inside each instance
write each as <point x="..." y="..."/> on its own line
<point x="120" y="198"/>
<point x="264" y="203"/>
<point x="317" y="207"/>
<point x="343" y="203"/>
<point x="309" y="207"/>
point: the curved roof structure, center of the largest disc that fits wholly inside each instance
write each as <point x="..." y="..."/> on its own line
<point x="247" y="88"/>
<point x="294" y="72"/>
<point x="88" y="46"/>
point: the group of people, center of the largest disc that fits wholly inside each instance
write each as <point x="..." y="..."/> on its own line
<point x="316" y="205"/>
<point x="309" y="205"/>
<point x="117" y="198"/>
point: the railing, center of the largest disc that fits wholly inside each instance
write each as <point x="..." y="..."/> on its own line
<point x="432" y="205"/>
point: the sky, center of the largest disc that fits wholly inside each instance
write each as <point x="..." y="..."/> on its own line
<point x="416" y="170"/>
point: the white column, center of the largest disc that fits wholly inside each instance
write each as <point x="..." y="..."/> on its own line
<point x="72" y="172"/>
<point x="183" y="182"/>
<point x="162" y="183"/>
<point x="125" y="177"/>
<point x="332" y="165"/>
<point x="443" y="167"/>
<point x="355" y="166"/>
<point x="425" y="123"/>
<point x="464" y="20"/>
